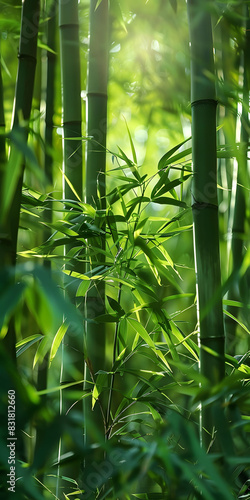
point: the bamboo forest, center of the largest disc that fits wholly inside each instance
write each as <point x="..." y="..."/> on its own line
<point x="124" y="249"/>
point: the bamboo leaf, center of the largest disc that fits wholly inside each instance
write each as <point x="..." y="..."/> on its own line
<point x="57" y="340"/>
<point x="131" y="142"/>
<point x="24" y="344"/>
<point x="140" y="330"/>
<point x="167" y="185"/>
<point x="42" y="350"/>
<point x="70" y="185"/>
<point x="237" y="320"/>
<point x="165" y="200"/>
<point x="115" y="305"/>
<point x="61" y="388"/>
<point x="130" y="164"/>
<point x="163" y="161"/>
<point x="99" y="387"/>
<point x="83" y="288"/>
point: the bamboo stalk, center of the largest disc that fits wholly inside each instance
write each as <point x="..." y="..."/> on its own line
<point x="205" y="205"/>
<point x="23" y="101"/>
<point x="240" y="198"/>
<point x="71" y="96"/>
<point x="2" y="123"/>
<point x="95" y="195"/>
<point x="239" y="289"/>
<point x="42" y="375"/>
<point x="9" y="219"/>
<point x="72" y="346"/>
<point x="72" y="149"/>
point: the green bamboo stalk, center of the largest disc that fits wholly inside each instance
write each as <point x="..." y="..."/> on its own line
<point x="50" y="95"/>
<point x="72" y="149"/>
<point x="236" y="229"/>
<point x="72" y="347"/>
<point x="2" y="122"/>
<point x="95" y="192"/>
<point x="9" y="219"/>
<point x="42" y="375"/>
<point x="239" y="208"/>
<point x="205" y="205"/>
<point x="71" y="96"/>
<point x="23" y="102"/>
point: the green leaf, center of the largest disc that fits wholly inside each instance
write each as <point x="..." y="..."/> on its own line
<point x="100" y="385"/>
<point x="24" y="344"/>
<point x="139" y="199"/>
<point x="165" y="200"/>
<point x="140" y="330"/>
<point x="58" y="388"/>
<point x="131" y="142"/>
<point x="57" y="340"/>
<point x="83" y="288"/>
<point x="107" y="318"/>
<point x="237" y="320"/>
<point x="130" y="164"/>
<point x="115" y="305"/>
<point x="163" y="161"/>
<point x="42" y="350"/>
<point x="167" y="185"/>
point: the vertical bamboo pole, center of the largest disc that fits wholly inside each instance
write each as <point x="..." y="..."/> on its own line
<point x="23" y="97"/>
<point x="72" y="347"/>
<point x="95" y="190"/>
<point x="2" y="124"/>
<point x="9" y="219"/>
<point x="50" y="93"/>
<point x="239" y="208"/>
<point x="205" y="205"/>
<point x="72" y="149"/>
<point x="71" y="96"/>
<point x="42" y="375"/>
<point x="236" y="226"/>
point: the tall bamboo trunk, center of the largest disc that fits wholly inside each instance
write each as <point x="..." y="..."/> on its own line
<point x="2" y="124"/>
<point x="9" y="214"/>
<point x="72" y="149"/>
<point x="72" y="347"/>
<point x="95" y="195"/>
<point x="42" y="375"/>
<point x="23" y="102"/>
<point x="240" y="290"/>
<point x="71" y="96"/>
<point x="205" y="205"/>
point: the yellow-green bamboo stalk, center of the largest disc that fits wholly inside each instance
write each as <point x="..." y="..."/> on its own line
<point x="205" y="205"/>
<point x="2" y="123"/>
<point x="95" y="192"/>
<point x="239" y="208"/>
<point x="239" y="289"/>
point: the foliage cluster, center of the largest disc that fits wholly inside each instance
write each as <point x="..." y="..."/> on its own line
<point x="148" y="388"/>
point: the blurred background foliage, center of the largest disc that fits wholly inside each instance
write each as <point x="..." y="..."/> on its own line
<point x="148" y="387"/>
